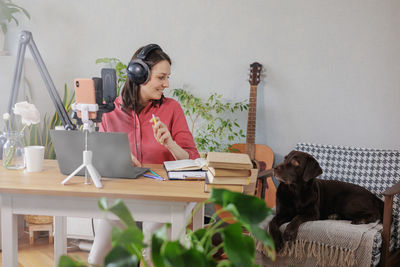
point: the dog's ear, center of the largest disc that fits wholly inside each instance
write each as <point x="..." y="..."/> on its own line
<point x="290" y="155"/>
<point x="312" y="169"/>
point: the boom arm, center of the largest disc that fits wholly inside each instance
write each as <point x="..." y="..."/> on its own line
<point x="25" y="39"/>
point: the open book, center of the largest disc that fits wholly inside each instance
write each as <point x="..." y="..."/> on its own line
<point x="185" y="164"/>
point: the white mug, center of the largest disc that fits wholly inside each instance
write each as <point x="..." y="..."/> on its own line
<point x="34" y="156"/>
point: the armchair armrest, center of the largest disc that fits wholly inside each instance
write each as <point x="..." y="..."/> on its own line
<point x="265" y="173"/>
<point x="393" y="190"/>
<point x="387" y="221"/>
<point x="262" y="181"/>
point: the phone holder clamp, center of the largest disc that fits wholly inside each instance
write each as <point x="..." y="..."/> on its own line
<point x="85" y="109"/>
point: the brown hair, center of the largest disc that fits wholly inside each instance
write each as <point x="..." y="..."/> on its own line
<point x="130" y="91"/>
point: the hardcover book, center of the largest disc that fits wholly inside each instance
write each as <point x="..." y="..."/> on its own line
<point x="225" y="160"/>
<point x="227" y="179"/>
<point x="230" y="187"/>
<point x="229" y="172"/>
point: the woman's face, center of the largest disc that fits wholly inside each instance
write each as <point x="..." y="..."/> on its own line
<point x="158" y="81"/>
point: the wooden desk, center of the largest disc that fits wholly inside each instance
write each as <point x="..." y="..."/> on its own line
<point x="42" y="193"/>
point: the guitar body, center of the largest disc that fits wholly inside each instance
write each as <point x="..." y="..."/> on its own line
<point x="264" y="155"/>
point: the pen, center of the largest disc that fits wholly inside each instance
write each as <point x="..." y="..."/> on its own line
<point x="155" y="121"/>
<point x="153" y="177"/>
<point x="154" y="173"/>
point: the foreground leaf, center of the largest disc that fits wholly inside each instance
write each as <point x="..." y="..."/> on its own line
<point x="239" y="248"/>
<point x="119" y="209"/>
<point x="66" y="261"/>
<point x="245" y="208"/>
<point x="119" y="257"/>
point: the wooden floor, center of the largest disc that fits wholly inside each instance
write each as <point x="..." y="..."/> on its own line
<point x="41" y="254"/>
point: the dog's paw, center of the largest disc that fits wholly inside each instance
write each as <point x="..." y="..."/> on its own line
<point x="289" y="235"/>
<point x="358" y="221"/>
<point x="278" y="246"/>
<point x="334" y="217"/>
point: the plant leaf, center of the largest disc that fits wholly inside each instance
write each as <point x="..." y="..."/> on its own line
<point x="120" y="210"/>
<point x="239" y="248"/>
<point x="67" y="261"/>
<point x="157" y="241"/>
<point x="250" y="209"/>
<point x="119" y="257"/>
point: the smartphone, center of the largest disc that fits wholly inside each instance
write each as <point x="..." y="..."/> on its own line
<point x="85" y="94"/>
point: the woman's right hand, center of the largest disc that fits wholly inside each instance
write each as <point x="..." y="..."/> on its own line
<point x="135" y="162"/>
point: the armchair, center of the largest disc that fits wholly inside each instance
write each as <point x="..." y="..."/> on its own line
<point x="326" y="243"/>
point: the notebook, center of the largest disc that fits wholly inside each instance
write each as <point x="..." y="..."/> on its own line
<point x="111" y="153"/>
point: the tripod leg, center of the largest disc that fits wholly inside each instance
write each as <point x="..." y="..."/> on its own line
<point x="94" y="175"/>
<point x="73" y="174"/>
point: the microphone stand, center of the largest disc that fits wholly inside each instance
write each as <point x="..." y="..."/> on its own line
<point x="87" y="154"/>
<point x="26" y="40"/>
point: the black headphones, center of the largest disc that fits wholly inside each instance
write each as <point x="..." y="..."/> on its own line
<point x="138" y="71"/>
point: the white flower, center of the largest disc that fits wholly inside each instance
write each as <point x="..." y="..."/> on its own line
<point x="28" y="112"/>
<point x="6" y="116"/>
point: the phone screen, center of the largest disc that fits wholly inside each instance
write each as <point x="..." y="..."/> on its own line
<point x="85" y="94"/>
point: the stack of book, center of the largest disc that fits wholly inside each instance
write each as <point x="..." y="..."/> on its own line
<point x="229" y="171"/>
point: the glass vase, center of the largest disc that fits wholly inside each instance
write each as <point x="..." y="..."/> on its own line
<point x="3" y="140"/>
<point x="13" y="151"/>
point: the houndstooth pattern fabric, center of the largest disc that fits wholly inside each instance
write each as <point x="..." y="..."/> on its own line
<point x="373" y="169"/>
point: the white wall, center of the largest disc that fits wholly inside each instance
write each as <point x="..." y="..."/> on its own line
<point x="332" y="67"/>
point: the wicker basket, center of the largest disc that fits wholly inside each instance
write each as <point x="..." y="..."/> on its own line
<point x="38" y="219"/>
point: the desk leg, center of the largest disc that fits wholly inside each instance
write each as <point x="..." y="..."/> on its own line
<point x="198" y="218"/>
<point x="60" y="237"/>
<point x="9" y="238"/>
<point x="178" y="222"/>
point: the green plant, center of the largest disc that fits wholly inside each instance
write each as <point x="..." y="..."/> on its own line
<point x="198" y="249"/>
<point x="39" y="134"/>
<point x="7" y="11"/>
<point x="212" y="130"/>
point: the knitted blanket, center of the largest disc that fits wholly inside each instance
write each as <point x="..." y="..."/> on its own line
<point x="327" y="243"/>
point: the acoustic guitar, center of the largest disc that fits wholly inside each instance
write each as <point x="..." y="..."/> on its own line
<point x="261" y="154"/>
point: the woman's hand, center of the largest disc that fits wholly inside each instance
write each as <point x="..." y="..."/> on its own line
<point x="161" y="133"/>
<point x="163" y="136"/>
<point x="135" y="162"/>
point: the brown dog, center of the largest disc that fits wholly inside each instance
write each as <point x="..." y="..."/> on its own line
<point x="302" y="197"/>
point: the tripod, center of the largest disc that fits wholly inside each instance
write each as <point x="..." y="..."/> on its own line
<point x="87" y="154"/>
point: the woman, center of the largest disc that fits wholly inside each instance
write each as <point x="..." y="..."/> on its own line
<point x="169" y="138"/>
<point x="152" y="141"/>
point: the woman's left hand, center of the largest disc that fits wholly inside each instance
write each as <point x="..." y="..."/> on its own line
<point x="161" y="133"/>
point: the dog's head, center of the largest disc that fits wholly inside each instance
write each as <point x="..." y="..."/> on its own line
<point x="297" y="167"/>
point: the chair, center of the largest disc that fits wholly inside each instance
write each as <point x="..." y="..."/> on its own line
<point x="379" y="172"/>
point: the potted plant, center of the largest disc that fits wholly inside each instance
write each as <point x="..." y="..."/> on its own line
<point x="209" y="120"/>
<point x="7" y="14"/>
<point x="198" y="248"/>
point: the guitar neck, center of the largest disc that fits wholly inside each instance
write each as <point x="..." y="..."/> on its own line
<point x="251" y="121"/>
<point x="255" y="70"/>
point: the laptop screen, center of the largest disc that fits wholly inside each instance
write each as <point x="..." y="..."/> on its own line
<point x="111" y="153"/>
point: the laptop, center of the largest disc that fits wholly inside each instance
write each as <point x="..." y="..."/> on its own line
<point x="111" y="153"/>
